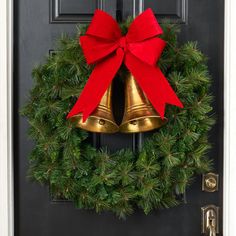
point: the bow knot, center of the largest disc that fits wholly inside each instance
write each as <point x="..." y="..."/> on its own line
<point x="123" y="43"/>
<point x="142" y="49"/>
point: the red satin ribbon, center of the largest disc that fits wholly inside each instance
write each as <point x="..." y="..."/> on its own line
<point x="140" y="49"/>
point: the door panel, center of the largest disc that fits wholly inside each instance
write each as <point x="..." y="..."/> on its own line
<point x="175" y="10"/>
<point x="37" y="26"/>
<point x="74" y="11"/>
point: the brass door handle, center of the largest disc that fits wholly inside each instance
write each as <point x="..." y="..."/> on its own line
<point x="211" y="223"/>
<point x="210" y="220"/>
<point x="212" y="231"/>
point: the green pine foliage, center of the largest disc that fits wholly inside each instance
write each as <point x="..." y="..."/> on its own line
<point x="121" y="181"/>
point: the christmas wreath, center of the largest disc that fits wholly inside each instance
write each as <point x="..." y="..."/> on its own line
<point x="119" y="182"/>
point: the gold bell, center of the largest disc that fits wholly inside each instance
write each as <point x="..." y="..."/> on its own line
<point x="101" y="120"/>
<point x="139" y="114"/>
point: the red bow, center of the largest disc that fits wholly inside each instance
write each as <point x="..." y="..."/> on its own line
<point x="140" y="49"/>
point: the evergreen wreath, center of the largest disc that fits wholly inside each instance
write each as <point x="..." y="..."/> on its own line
<point x="119" y="182"/>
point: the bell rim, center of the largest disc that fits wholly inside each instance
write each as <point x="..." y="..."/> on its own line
<point x="79" y="116"/>
<point x="122" y="130"/>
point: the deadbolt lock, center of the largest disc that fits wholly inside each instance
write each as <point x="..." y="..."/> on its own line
<point x="210" y="182"/>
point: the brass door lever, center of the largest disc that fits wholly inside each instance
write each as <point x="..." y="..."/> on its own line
<point x="211" y="223"/>
<point x="210" y="220"/>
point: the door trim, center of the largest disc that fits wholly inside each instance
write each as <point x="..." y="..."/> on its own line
<point x="229" y="184"/>
<point x="6" y="141"/>
<point x="6" y="137"/>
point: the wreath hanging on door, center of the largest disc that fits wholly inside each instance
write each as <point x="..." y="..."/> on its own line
<point x="121" y="181"/>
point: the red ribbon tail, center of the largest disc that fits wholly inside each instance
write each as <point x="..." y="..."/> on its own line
<point x="171" y="97"/>
<point x="153" y="83"/>
<point x="97" y="85"/>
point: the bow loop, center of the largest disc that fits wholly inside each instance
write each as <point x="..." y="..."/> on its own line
<point x="95" y="48"/>
<point x="148" y="51"/>
<point x="104" y="26"/>
<point x="143" y="27"/>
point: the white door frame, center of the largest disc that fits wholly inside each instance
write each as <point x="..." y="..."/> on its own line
<point x="229" y="192"/>
<point x="6" y="137"/>
<point x="6" y="152"/>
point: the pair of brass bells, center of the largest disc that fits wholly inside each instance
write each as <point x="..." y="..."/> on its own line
<point x="139" y="114"/>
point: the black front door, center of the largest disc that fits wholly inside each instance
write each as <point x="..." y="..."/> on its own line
<point x="37" y="26"/>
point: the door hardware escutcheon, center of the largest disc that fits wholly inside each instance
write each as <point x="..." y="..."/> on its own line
<point x="210" y="182"/>
<point x="210" y="220"/>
